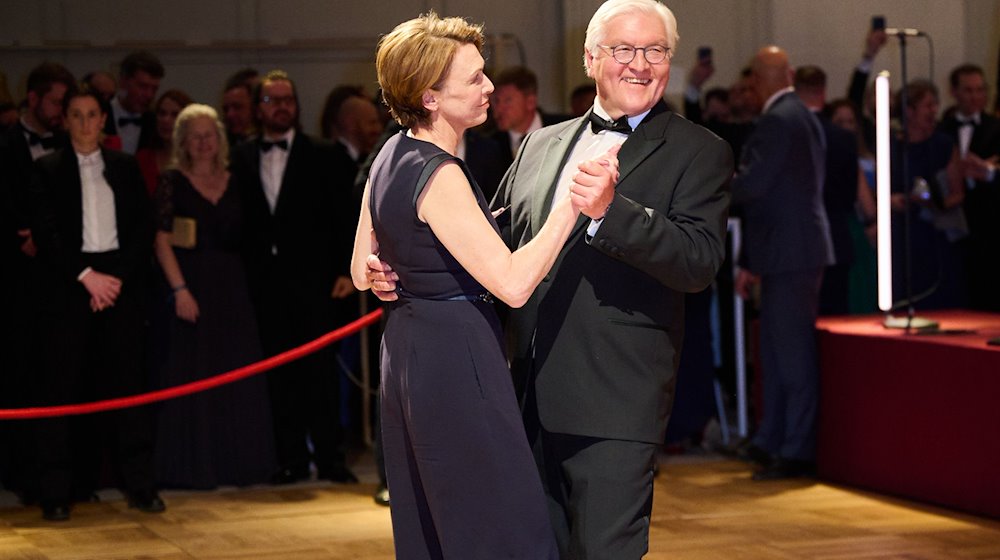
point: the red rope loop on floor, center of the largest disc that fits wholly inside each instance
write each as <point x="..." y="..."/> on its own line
<point x="195" y="386"/>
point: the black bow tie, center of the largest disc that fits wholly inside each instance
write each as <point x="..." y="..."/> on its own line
<point x="266" y="146"/>
<point x="598" y="124"/>
<point x="47" y="142"/>
<point x="123" y="121"/>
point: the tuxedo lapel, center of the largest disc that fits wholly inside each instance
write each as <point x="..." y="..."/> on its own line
<point x="72" y="195"/>
<point x="556" y="154"/>
<point x="646" y="138"/>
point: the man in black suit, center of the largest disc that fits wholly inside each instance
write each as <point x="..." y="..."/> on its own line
<point x="840" y="191"/>
<point x="91" y="224"/>
<point x="130" y="119"/>
<point x="596" y="347"/>
<point x="38" y="132"/>
<point x="977" y="135"/>
<point x="515" y="110"/>
<point x="787" y="246"/>
<point x="297" y="250"/>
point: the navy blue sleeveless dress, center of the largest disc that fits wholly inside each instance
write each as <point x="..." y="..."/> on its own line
<point x="460" y="472"/>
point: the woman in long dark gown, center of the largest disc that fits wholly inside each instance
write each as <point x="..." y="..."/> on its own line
<point x="460" y="472"/>
<point x="223" y="436"/>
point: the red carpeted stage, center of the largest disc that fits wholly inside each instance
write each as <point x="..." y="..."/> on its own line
<point x="914" y="415"/>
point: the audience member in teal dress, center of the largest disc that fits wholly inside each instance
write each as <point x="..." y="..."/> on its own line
<point x="223" y="436"/>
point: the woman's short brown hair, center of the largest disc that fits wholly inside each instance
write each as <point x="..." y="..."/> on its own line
<point x="415" y="57"/>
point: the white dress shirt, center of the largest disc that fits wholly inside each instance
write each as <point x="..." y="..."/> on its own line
<point x="589" y="146"/>
<point x="100" y="226"/>
<point x="516" y="137"/>
<point x="272" y="168"/>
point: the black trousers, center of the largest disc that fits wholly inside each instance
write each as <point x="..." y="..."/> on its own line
<point x="305" y="394"/>
<point x="87" y="356"/>
<point x="599" y="491"/>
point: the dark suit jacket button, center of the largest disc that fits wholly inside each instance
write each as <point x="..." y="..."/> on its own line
<point x="546" y="279"/>
<point x="602" y="243"/>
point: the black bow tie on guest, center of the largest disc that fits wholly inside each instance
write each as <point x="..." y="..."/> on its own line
<point x="123" y="121"/>
<point x="598" y="124"/>
<point x="266" y="146"/>
<point x="47" y="142"/>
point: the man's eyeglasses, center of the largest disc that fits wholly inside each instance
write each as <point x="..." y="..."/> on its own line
<point x="624" y="54"/>
<point x="276" y="100"/>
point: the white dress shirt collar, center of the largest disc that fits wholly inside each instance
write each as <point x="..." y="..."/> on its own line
<point x="774" y="98"/>
<point x="633" y="120"/>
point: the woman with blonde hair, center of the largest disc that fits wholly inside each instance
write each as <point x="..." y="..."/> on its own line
<point x="460" y="472"/>
<point x="207" y="326"/>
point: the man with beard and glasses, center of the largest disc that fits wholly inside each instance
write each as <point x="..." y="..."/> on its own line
<point x="297" y="247"/>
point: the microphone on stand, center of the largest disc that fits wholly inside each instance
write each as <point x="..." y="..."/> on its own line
<point x="904" y="32"/>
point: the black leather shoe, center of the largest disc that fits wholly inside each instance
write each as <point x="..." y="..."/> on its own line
<point x="381" y="495"/>
<point x="147" y="502"/>
<point x="782" y="469"/>
<point x="338" y="473"/>
<point x="290" y="475"/>
<point x="753" y="454"/>
<point x="55" y="511"/>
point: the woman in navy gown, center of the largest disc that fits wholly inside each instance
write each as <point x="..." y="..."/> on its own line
<point x="207" y="326"/>
<point x="460" y="472"/>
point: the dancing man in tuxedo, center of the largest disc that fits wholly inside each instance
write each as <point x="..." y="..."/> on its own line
<point x="596" y="347"/>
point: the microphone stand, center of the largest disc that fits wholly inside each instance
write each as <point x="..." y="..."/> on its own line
<point x="911" y="321"/>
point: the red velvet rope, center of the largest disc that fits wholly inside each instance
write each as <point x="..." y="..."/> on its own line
<point x="195" y="386"/>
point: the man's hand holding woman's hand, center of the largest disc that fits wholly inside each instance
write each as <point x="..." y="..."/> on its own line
<point x="381" y="278"/>
<point x="593" y="186"/>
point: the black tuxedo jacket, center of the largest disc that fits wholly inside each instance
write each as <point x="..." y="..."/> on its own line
<point x="15" y="179"/>
<point x="982" y="203"/>
<point x="311" y="231"/>
<point x="57" y="219"/>
<point x="600" y="338"/>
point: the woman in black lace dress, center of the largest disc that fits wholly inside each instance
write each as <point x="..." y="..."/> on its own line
<point x="223" y="436"/>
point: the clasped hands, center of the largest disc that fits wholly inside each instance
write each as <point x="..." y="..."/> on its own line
<point x="103" y="289"/>
<point x="591" y="193"/>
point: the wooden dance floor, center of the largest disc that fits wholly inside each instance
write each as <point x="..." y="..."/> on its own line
<point x="704" y="508"/>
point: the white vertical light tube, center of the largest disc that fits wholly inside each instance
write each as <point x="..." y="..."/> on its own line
<point x="883" y="190"/>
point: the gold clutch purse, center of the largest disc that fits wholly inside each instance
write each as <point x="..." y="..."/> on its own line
<point x="185" y="233"/>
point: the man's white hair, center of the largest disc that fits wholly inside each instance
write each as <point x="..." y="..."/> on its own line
<point x="597" y="29"/>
